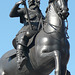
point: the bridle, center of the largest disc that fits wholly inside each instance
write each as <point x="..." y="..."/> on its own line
<point x="58" y="8"/>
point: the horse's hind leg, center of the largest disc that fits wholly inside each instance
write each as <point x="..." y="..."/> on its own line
<point x="57" y="58"/>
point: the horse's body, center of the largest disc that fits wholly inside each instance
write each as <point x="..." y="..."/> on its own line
<point x="51" y="42"/>
<point x="51" y="49"/>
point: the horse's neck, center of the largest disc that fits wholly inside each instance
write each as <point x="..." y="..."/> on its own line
<point x="52" y="16"/>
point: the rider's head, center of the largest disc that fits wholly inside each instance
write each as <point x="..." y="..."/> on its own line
<point x="33" y="3"/>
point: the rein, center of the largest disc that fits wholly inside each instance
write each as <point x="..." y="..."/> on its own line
<point x="66" y="29"/>
<point x="41" y="22"/>
<point x="54" y="27"/>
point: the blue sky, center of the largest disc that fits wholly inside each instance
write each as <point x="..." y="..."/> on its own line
<point x="10" y="26"/>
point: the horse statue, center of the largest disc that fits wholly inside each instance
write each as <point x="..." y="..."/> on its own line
<point x="48" y="50"/>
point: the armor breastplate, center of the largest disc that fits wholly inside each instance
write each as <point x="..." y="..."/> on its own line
<point x="33" y="15"/>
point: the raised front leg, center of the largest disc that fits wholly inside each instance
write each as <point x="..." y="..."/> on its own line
<point x="57" y="58"/>
<point x="43" y="57"/>
<point x="64" y="70"/>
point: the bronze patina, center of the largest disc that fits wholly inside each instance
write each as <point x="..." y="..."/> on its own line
<point x="42" y="43"/>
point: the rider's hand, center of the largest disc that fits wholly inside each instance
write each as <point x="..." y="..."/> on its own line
<point x="20" y="2"/>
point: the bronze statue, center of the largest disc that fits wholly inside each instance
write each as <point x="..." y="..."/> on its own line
<point x="30" y="18"/>
<point x="44" y="45"/>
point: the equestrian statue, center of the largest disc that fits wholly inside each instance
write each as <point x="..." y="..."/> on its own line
<point x="41" y="45"/>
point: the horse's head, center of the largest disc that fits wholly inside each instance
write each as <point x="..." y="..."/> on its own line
<point x="62" y="8"/>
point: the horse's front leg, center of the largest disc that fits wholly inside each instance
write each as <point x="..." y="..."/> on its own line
<point x="48" y="56"/>
<point x="64" y="70"/>
<point x="57" y="57"/>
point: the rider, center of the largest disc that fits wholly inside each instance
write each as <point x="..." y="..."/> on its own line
<point x="21" y="40"/>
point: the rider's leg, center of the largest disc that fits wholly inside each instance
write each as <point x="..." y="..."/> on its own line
<point x="21" y="51"/>
<point x="21" y="43"/>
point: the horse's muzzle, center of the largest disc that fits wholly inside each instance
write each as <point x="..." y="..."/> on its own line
<point x="65" y="13"/>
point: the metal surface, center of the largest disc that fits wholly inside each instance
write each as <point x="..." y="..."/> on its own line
<point x="48" y="49"/>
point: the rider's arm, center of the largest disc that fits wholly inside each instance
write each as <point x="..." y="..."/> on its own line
<point x="16" y="11"/>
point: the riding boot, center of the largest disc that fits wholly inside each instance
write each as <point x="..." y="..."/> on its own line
<point x="21" y="57"/>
